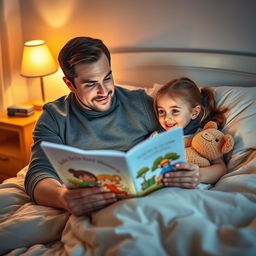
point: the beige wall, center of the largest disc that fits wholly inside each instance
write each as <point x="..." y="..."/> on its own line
<point x="199" y="24"/>
<point x="13" y="86"/>
<point x="195" y="24"/>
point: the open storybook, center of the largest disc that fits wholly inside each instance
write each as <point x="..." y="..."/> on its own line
<point x="134" y="173"/>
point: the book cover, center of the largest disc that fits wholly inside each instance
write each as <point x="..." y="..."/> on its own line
<point x="134" y="173"/>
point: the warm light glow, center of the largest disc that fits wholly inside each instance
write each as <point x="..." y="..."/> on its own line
<point x="55" y="13"/>
<point x="37" y="60"/>
<point x="34" y="43"/>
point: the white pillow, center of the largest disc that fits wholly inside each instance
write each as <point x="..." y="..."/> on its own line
<point x="153" y="90"/>
<point x="149" y="90"/>
<point x="130" y="87"/>
<point x="241" y="121"/>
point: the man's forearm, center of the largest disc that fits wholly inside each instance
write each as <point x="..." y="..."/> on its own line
<point x="48" y="192"/>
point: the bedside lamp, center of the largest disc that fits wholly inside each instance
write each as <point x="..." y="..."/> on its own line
<point x="37" y="61"/>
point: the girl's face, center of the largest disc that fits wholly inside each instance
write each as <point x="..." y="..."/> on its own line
<point x="174" y="113"/>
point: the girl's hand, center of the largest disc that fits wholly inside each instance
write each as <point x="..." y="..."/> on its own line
<point x="186" y="175"/>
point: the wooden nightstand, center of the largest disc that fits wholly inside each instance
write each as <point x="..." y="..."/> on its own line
<point x="15" y="143"/>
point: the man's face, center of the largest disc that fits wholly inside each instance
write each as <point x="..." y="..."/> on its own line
<point x="94" y="85"/>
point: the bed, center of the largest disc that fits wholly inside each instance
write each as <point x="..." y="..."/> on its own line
<point x="170" y="221"/>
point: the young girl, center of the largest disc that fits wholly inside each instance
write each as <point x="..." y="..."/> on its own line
<point x="180" y="103"/>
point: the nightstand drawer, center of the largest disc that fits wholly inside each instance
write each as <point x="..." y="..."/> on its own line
<point x="15" y="142"/>
<point x="9" y="165"/>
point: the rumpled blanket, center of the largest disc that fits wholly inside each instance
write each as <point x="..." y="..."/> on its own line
<point x="170" y="221"/>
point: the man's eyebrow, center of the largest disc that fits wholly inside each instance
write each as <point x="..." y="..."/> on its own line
<point x="95" y="81"/>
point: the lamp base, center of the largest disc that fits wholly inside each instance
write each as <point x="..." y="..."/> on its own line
<point x="38" y="105"/>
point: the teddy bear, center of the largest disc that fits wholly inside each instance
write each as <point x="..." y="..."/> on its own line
<point x="207" y="145"/>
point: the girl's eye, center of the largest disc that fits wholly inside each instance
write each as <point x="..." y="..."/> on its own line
<point x="161" y="112"/>
<point x="175" y="111"/>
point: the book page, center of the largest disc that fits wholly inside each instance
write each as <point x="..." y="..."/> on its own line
<point x="86" y="168"/>
<point x="149" y="160"/>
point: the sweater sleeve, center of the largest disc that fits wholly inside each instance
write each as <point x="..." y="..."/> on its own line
<point x="46" y="129"/>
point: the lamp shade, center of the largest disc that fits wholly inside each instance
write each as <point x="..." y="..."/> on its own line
<point x="37" y="60"/>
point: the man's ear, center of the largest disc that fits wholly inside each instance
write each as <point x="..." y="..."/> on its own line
<point x="196" y="111"/>
<point x="69" y="84"/>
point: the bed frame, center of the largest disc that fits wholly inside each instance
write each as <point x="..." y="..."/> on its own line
<point x="145" y="67"/>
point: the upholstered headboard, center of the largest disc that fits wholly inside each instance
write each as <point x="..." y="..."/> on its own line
<point x="146" y="67"/>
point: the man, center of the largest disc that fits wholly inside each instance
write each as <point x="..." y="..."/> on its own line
<point x="95" y="115"/>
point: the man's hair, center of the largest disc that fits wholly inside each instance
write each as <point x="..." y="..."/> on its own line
<point x="80" y="50"/>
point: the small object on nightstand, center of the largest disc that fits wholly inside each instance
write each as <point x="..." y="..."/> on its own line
<point x="20" y="110"/>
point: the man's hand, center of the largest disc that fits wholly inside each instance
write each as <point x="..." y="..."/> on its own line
<point x="86" y="200"/>
<point x="186" y="175"/>
<point x="79" y="201"/>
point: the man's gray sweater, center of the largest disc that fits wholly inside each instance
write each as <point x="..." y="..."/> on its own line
<point x="130" y="120"/>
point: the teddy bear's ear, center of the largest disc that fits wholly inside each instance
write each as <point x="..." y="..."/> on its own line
<point x="228" y="143"/>
<point x="210" y="124"/>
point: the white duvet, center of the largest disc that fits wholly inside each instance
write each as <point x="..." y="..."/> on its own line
<point x="171" y="221"/>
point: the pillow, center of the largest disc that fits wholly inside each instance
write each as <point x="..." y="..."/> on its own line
<point x="130" y="87"/>
<point x="149" y="90"/>
<point x="153" y="90"/>
<point x="241" y="121"/>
